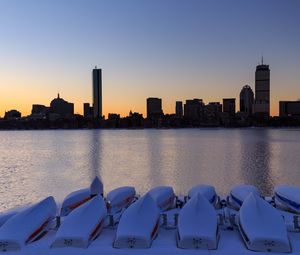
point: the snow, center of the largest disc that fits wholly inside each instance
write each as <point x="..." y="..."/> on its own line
<point x="96" y="187"/>
<point x="197" y="224"/>
<point x="163" y="196"/>
<point x="138" y="224"/>
<point x="263" y="226"/>
<point x="25" y="226"/>
<point x="288" y="196"/>
<point x="240" y="192"/>
<point x="77" y="228"/>
<point x="75" y="199"/>
<point x="207" y="191"/>
<point x="140" y="220"/>
<point x="79" y="197"/>
<point x="120" y="198"/>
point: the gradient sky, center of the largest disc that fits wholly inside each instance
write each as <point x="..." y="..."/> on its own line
<point x="172" y="49"/>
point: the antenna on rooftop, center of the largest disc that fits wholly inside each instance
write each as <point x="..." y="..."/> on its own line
<point x="262" y="59"/>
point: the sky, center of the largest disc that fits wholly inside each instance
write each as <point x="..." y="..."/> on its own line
<point x="172" y="49"/>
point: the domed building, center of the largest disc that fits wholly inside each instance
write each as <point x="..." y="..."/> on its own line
<point x="61" y="108"/>
<point x="246" y="100"/>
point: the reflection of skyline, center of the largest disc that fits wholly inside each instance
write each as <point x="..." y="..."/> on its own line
<point x="255" y="160"/>
<point x="95" y="154"/>
<point x="154" y="157"/>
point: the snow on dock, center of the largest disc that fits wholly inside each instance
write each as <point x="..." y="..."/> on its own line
<point x="198" y="224"/>
<point x="120" y="198"/>
<point x="138" y="225"/>
<point x="262" y="227"/>
<point x="288" y="197"/>
<point x="239" y="193"/>
<point x="82" y="225"/>
<point x="163" y="196"/>
<point x="79" y="197"/>
<point x="230" y="243"/>
<point x="146" y="229"/>
<point x="27" y="225"/>
<point x="207" y="191"/>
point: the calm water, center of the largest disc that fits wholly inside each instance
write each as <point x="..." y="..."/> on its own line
<point x="35" y="164"/>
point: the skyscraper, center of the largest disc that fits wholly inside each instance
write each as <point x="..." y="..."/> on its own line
<point x="178" y="109"/>
<point x="154" y="107"/>
<point x="97" y="93"/>
<point x="194" y="109"/>
<point x="262" y="91"/>
<point x="229" y="105"/>
<point x="246" y="100"/>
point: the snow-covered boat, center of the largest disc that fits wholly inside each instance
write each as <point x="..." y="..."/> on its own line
<point x="239" y="193"/>
<point x="6" y="216"/>
<point x="79" y="197"/>
<point x="120" y="198"/>
<point x="262" y="226"/>
<point x="288" y="198"/>
<point x="138" y="225"/>
<point x="197" y="224"/>
<point x="163" y="196"/>
<point x="28" y="225"/>
<point x="207" y="191"/>
<point x="82" y="225"/>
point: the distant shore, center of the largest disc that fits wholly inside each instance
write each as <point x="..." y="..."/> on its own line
<point x="127" y="123"/>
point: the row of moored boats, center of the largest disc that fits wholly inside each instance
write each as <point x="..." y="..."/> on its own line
<point x="84" y="213"/>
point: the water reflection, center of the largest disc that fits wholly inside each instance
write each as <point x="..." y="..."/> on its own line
<point x="256" y="155"/>
<point x="35" y="164"/>
<point x="95" y="154"/>
<point x="154" y="157"/>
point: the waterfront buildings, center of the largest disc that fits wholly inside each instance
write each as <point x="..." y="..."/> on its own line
<point x="87" y="110"/>
<point x="61" y="109"/>
<point x="154" y="108"/>
<point x="97" y="93"/>
<point x="193" y="109"/>
<point x="215" y="107"/>
<point x="39" y="111"/>
<point x="289" y="108"/>
<point x="246" y="100"/>
<point x="12" y="115"/>
<point x="178" y="109"/>
<point x="262" y="91"/>
<point x="229" y="105"/>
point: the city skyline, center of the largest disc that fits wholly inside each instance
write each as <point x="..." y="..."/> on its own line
<point x="171" y="50"/>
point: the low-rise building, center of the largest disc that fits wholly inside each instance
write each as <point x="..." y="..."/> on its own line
<point x="289" y="108"/>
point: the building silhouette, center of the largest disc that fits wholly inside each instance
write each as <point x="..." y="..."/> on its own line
<point x="215" y="107"/>
<point x="12" y="115"/>
<point x="39" y="111"/>
<point x="154" y="108"/>
<point x="97" y="93"/>
<point x="61" y="109"/>
<point x="178" y="109"/>
<point x="87" y="110"/>
<point x="194" y="109"/>
<point x="289" y="108"/>
<point x="229" y="105"/>
<point x="246" y="100"/>
<point x="262" y="91"/>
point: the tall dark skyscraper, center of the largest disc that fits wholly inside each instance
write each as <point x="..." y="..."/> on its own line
<point x="229" y="105"/>
<point x="97" y="93"/>
<point x="262" y="91"/>
<point x="246" y="100"/>
<point x="154" y="107"/>
<point x="178" y="109"/>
